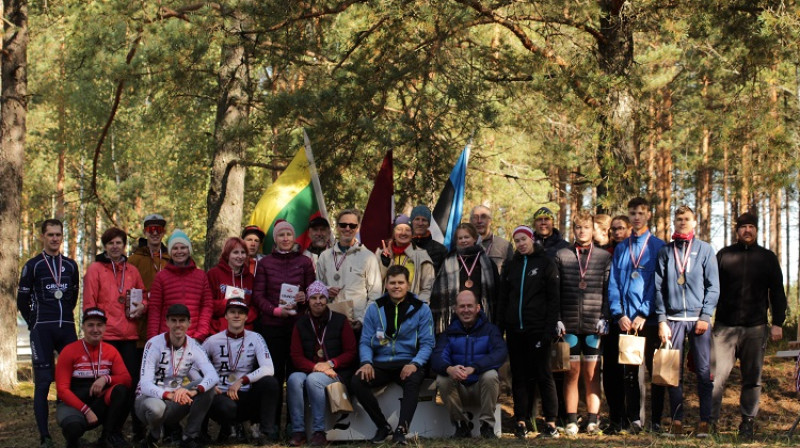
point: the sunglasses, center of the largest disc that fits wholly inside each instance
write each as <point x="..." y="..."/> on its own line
<point x="345" y="225"/>
<point x="154" y="229"/>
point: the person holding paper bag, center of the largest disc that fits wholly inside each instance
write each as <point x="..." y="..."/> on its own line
<point x="286" y="265"/>
<point x="323" y="351"/>
<point x="230" y="279"/>
<point x="687" y="290"/>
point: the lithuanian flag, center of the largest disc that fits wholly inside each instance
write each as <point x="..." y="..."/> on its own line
<point x="295" y="196"/>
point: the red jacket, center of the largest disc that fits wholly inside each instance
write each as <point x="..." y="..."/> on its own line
<point x="74" y="374"/>
<point x="101" y="289"/>
<point x="180" y="284"/>
<point x="274" y="270"/>
<point x="219" y="278"/>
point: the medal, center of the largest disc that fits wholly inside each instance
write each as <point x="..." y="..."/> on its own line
<point x="95" y="372"/>
<point x="121" y="287"/>
<point x="582" y="284"/>
<point x="468" y="283"/>
<point x="582" y="269"/>
<point x="58" y="294"/>
<point x="176" y="367"/>
<point x="338" y="264"/>
<point x="321" y="338"/>
<point x="681" y="279"/>
<point x="635" y="275"/>
<point x="336" y="277"/>
<point x="173" y="384"/>
<point x="232" y="378"/>
<point x="635" y="261"/>
<point x="681" y="263"/>
<point x="320" y="353"/>
<point x="121" y="299"/>
<point x="234" y="363"/>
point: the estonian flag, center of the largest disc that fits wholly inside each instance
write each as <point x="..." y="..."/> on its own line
<point x="448" y="210"/>
<point x="376" y="225"/>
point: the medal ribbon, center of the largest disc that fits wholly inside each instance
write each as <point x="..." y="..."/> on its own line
<point x="320" y="340"/>
<point x="122" y="283"/>
<point x="57" y="279"/>
<point x="337" y="262"/>
<point x="233" y="364"/>
<point x="684" y="261"/>
<point x="469" y="270"/>
<point x="638" y="260"/>
<point x="582" y="270"/>
<point x="156" y="266"/>
<point x="96" y="373"/>
<point x="176" y="367"/>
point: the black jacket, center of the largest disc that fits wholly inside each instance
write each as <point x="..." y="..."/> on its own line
<point x="552" y="244"/>
<point x="534" y="309"/>
<point x="751" y="281"/>
<point x="582" y="308"/>
<point x="435" y="249"/>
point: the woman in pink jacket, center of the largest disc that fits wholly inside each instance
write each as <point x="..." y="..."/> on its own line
<point x="181" y="281"/>
<point x="231" y="271"/>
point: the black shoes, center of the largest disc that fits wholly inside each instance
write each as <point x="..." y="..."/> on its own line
<point x="520" y="430"/>
<point x="487" y="432"/>
<point x="462" y="431"/>
<point x="399" y="436"/>
<point x="549" y="432"/>
<point x="747" y="428"/>
<point x="381" y="434"/>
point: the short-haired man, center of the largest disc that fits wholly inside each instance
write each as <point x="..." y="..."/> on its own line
<point x="92" y="384"/>
<point x="751" y="282"/>
<point x="467" y="358"/>
<point x="319" y="232"/>
<point x="167" y="393"/>
<point x="247" y="389"/>
<point x="687" y="290"/>
<point x="349" y="269"/>
<point x="253" y="236"/>
<point x="46" y="298"/>
<point x="498" y="249"/>
<point x="631" y="292"/>
<point x="396" y="342"/>
<point x="420" y="226"/>
<point x="546" y="234"/>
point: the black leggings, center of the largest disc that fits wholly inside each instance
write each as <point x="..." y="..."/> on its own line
<point x="529" y="355"/>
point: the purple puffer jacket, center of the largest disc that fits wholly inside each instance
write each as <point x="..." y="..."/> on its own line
<point x="274" y="270"/>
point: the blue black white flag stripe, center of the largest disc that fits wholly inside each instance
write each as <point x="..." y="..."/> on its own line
<point x="450" y="206"/>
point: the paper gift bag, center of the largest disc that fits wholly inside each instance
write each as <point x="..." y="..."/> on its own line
<point x="631" y="349"/>
<point x="559" y="356"/>
<point x="337" y="398"/>
<point x="667" y="366"/>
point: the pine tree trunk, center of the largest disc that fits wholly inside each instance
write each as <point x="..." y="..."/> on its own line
<point x="744" y="179"/>
<point x="703" y="189"/>
<point x="725" y="197"/>
<point x="13" y="115"/>
<point x="775" y="205"/>
<point x="664" y="157"/>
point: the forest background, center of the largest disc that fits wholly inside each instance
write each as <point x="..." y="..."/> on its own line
<point x="115" y="109"/>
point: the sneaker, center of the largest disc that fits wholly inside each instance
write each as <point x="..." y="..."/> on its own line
<point x="592" y="428"/>
<point x="191" y="442"/>
<point x="702" y="431"/>
<point x="47" y="442"/>
<point x="297" y="439"/>
<point x="747" y="427"/>
<point x="571" y="429"/>
<point x="520" y="430"/>
<point x="487" y="432"/>
<point x="318" y="439"/>
<point x="381" y="434"/>
<point x="462" y="431"/>
<point x="676" y="430"/>
<point x="399" y="436"/>
<point x="633" y="428"/>
<point x="549" y="432"/>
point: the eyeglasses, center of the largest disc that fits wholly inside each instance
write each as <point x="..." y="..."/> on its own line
<point x="617" y="229"/>
<point x="154" y="229"/>
<point x="345" y="225"/>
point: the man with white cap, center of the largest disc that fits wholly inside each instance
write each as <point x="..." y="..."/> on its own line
<point x="420" y="225"/>
<point x="247" y="388"/>
<point x="497" y="248"/>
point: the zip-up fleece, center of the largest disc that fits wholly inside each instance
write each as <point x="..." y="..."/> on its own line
<point x="413" y="337"/>
<point x="529" y="296"/>
<point x="697" y="297"/>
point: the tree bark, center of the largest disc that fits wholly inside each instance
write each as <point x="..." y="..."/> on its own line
<point x="664" y="163"/>
<point x="13" y="115"/>
<point x="703" y="189"/>
<point x="725" y="196"/>
<point x="231" y="138"/>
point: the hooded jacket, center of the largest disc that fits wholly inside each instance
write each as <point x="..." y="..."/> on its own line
<point x="219" y="278"/>
<point x="101" y="289"/>
<point x="187" y="285"/>
<point x="421" y="266"/>
<point x="411" y="342"/>
<point x="358" y="275"/>
<point x="148" y="266"/>
<point x="273" y="271"/>
<point x="697" y="297"/>
<point x="530" y="295"/>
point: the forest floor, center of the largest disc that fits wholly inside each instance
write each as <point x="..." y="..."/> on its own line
<point x="780" y="406"/>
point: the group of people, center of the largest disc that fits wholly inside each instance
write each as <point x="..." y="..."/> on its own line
<point x="165" y="342"/>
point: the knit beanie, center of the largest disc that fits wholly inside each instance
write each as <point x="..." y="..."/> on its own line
<point x="746" y="218"/>
<point x="544" y="212"/>
<point x="402" y="220"/>
<point x="179" y="236"/>
<point x="523" y="229"/>
<point x="279" y="226"/>
<point x="317" y="288"/>
<point x="420" y="210"/>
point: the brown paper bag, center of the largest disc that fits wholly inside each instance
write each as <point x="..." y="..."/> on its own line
<point x="667" y="366"/>
<point x="337" y="398"/>
<point x="631" y="349"/>
<point x="343" y="307"/>
<point x="559" y="356"/>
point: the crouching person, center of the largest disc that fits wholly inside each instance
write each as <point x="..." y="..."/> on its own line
<point x="466" y="360"/>
<point x="247" y="389"/>
<point x="323" y="351"/>
<point x="92" y="384"/>
<point x="166" y="393"/>
<point x="396" y="342"/>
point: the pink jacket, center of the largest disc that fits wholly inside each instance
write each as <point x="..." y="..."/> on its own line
<point x="219" y="277"/>
<point x="101" y="289"/>
<point x="180" y="284"/>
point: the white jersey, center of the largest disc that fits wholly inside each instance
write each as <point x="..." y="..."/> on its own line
<point x="246" y="356"/>
<point x="165" y="370"/>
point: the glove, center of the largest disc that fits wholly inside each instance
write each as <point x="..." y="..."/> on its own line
<point x="601" y="327"/>
<point x="560" y="328"/>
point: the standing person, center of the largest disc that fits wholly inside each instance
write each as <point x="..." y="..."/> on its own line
<point x="751" y="283"/>
<point x="180" y="282"/>
<point x="319" y="232"/>
<point x="285" y="266"/>
<point x="466" y="359"/>
<point x="46" y="298"/>
<point x="601" y="234"/>
<point x="323" y="351"/>
<point x="547" y="235"/>
<point x="395" y="345"/>
<point x="168" y="390"/>
<point x="231" y="273"/>
<point x="498" y="249"/>
<point x="528" y="312"/>
<point x="400" y="250"/>
<point x="253" y="236"/>
<point x="620" y="230"/>
<point x="421" y="225"/>
<point x="93" y="385"/>
<point x="687" y="290"/>
<point x="349" y="269"/>
<point x="466" y="267"/>
<point x="247" y="389"/>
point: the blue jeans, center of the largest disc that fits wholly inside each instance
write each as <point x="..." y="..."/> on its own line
<point x="701" y="351"/>
<point x="314" y="385"/>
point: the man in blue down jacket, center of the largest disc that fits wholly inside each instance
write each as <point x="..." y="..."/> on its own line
<point x="466" y="359"/>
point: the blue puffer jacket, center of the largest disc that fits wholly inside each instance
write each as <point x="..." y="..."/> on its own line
<point x="413" y="340"/>
<point x="481" y="347"/>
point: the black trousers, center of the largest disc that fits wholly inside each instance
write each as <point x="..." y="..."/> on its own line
<point x="279" y="340"/>
<point x="529" y="355"/>
<point x="385" y="375"/>
<point x="256" y="405"/>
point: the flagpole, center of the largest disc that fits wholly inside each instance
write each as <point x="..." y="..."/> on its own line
<point x="312" y="168"/>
